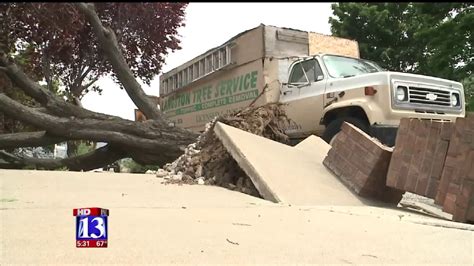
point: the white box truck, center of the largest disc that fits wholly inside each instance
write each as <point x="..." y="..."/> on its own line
<point x="321" y="79"/>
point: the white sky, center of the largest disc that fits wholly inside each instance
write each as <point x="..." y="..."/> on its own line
<point x="209" y="25"/>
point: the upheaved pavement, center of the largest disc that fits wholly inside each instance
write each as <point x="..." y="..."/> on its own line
<point x="154" y="223"/>
<point x="282" y="173"/>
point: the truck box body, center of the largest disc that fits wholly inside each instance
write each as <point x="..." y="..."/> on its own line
<point x="195" y="92"/>
<point x="321" y="79"/>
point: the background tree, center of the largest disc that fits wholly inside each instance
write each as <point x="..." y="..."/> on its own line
<point x="58" y="42"/>
<point x="469" y="91"/>
<point x="57" y="45"/>
<point x="75" y="44"/>
<point x="424" y="38"/>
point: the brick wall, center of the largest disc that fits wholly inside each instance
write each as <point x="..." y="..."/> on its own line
<point x="436" y="160"/>
<point x="418" y="157"/>
<point x="455" y="193"/>
<point x="361" y="163"/>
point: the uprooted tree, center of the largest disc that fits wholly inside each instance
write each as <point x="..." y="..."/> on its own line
<point x="75" y="44"/>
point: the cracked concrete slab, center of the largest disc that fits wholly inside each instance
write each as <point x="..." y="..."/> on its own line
<point x="286" y="174"/>
<point x="155" y="223"/>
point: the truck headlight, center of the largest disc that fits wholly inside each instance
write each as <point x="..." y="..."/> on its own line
<point x="401" y="93"/>
<point x="455" y="99"/>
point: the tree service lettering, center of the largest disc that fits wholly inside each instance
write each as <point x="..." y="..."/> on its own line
<point x="220" y="93"/>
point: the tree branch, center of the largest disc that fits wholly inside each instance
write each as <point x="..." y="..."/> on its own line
<point x="30" y="87"/>
<point x="129" y="134"/>
<point x="108" y="43"/>
<point x="27" y="139"/>
<point x="87" y="85"/>
<point x="86" y="162"/>
<point x="77" y="87"/>
<point x="46" y="98"/>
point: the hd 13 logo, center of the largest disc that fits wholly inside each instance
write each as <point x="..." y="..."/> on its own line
<point x="91" y="227"/>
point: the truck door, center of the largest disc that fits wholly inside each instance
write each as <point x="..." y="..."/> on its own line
<point x="304" y="95"/>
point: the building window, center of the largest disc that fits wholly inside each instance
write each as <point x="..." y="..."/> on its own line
<point x="202" y="71"/>
<point x="185" y="77"/>
<point x="196" y="71"/>
<point x="215" y="57"/>
<point x="180" y="80"/>
<point x="190" y="74"/>
<point x="209" y="64"/>
<point x="223" y="53"/>
<point x="165" y="86"/>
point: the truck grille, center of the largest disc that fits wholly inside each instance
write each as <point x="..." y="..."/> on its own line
<point x="429" y="96"/>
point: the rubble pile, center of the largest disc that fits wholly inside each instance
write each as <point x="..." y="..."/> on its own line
<point x="208" y="162"/>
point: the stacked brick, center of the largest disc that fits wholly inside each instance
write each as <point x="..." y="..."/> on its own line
<point x="418" y="157"/>
<point x="361" y="163"/>
<point x="436" y="160"/>
<point x="456" y="191"/>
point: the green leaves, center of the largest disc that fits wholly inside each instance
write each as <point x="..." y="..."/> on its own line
<point x="57" y="39"/>
<point x="468" y="84"/>
<point x="424" y="38"/>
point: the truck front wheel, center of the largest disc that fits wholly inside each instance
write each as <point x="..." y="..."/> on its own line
<point x="335" y="126"/>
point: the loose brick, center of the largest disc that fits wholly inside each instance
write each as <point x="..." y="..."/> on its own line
<point x="363" y="164"/>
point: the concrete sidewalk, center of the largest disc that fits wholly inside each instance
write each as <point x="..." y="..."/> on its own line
<point x="281" y="173"/>
<point x="154" y="223"/>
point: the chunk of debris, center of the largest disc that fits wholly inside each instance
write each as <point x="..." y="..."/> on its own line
<point x="434" y="159"/>
<point x="361" y="162"/>
<point x="208" y="162"/>
<point x="232" y="242"/>
<point x="456" y="191"/>
<point x="282" y="173"/>
<point x="418" y="157"/>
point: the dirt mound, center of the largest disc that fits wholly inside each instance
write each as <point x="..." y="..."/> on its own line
<point x="208" y="162"/>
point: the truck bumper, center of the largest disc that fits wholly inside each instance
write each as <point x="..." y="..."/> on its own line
<point x="385" y="133"/>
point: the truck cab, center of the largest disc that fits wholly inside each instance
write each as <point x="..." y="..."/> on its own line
<point x="321" y="79"/>
<point x="324" y="90"/>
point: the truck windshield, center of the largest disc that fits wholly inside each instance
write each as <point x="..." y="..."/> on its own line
<point x="342" y="67"/>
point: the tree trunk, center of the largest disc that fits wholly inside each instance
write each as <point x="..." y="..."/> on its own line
<point x="149" y="142"/>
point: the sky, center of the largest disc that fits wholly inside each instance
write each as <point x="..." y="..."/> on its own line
<point x="209" y="25"/>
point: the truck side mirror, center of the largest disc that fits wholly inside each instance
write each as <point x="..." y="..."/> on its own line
<point x="320" y="77"/>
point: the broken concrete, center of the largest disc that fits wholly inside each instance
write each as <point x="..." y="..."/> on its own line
<point x="282" y="173"/>
<point x="208" y="162"/>
<point x="315" y="146"/>
<point x="425" y="208"/>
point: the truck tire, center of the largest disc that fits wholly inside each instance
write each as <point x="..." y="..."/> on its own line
<point x="335" y="126"/>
